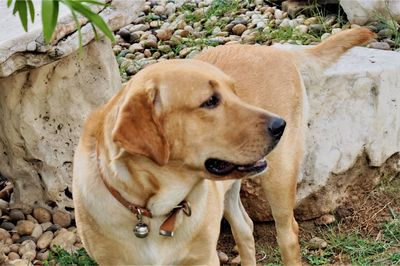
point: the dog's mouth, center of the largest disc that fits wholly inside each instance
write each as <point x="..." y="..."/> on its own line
<point x="222" y="168"/>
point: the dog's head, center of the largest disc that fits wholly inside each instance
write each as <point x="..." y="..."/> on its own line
<point x="186" y="111"/>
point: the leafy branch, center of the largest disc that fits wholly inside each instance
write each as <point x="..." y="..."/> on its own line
<point x="50" y="10"/>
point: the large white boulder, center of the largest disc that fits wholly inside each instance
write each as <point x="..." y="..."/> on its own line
<point x="362" y="11"/>
<point x="46" y="92"/>
<point x="353" y="138"/>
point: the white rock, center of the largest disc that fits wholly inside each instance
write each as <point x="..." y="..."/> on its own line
<point x="362" y="11"/>
<point x="302" y="28"/>
<point x="47" y="107"/>
<point x="278" y="14"/>
<point x="336" y="30"/>
<point x="37" y="231"/>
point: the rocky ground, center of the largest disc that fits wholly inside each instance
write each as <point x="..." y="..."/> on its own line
<point x="30" y="236"/>
<point x="180" y="29"/>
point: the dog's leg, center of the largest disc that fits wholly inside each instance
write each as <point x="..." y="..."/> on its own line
<point x="241" y="225"/>
<point x="280" y="190"/>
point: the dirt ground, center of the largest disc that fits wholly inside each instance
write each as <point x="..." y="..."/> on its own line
<point x="365" y="218"/>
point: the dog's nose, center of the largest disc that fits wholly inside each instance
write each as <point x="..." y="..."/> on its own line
<point x="276" y="127"/>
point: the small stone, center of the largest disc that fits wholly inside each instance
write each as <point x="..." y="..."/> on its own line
<point x="46" y="225"/>
<point x="164" y="34"/>
<point x="150" y="44"/>
<point x="312" y="20"/>
<point x="385" y="33"/>
<point x="3" y="205"/>
<point x="62" y="218"/>
<point x="13" y="256"/>
<point x="37" y="231"/>
<point x="164" y="48"/>
<point x="5" y="248"/>
<point x="125" y="34"/>
<point x="4" y="234"/>
<point x="223" y="258"/>
<point x="7" y="226"/>
<point x="16" y="215"/>
<point x="317" y="243"/>
<point x="8" y="241"/>
<point x="302" y="28"/>
<point x="156" y="55"/>
<point x="116" y="49"/>
<point x="136" y="47"/>
<point x="325" y="219"/>
<point x="53" y="228"/>
<point x="23" y="239"/>
<point x="325" y="35"/>
<point x="170" y="9"/>
<point x="278" y="14"/>
<point x="316" y="27"/>
<point x="132" y="69"/>
<point x="390" y="42"/>
<point x="64" y="239"/>
<point x="238" y="29"/>
<point x="14" y="247"/>
<point x="337" y="30"/>
<point x="285" y="23"/>
<point x="147" y="53"/>
<point x="26" y="246"/>
<point x="159" y="10"/>
<point x="135" y="37"/>
<point x="25" y="227"/>
<point x="42" y="256"/>
<point x="29" y="255"/>
<point x="154" y="24"/>
<point x="15" y="237"/>
<point x="31" y="218"/>
<point x="185" y="51"/>
<point x="45" y="240"/>
<point x="379" y="45"/>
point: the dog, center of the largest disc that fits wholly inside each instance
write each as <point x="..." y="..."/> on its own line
<point x="275" y="80"/>
<point x="158" y="166"/>
<point x="148" y="160"/>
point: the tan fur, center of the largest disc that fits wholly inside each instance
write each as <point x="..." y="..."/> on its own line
<point x="269" y="78"/>
<point x="153" y="139"/>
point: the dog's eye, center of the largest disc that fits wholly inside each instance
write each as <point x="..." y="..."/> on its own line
<point x="212" y="102"/>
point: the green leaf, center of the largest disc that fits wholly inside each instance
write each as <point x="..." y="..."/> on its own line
<point x="49" y="18"/>
<point x="9" y="2"/>
<point x="20" y="5"/>
<point x="92" y="17"/>
<point x="78" y="26"/>
<point x="31" y="10"/>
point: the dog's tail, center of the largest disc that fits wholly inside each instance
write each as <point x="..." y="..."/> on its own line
<point x="312" y="61"/>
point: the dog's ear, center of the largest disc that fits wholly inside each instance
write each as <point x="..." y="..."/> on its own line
<point x="138" y="129"/>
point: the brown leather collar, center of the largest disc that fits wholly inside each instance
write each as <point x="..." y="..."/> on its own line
<point x="168" y="226"/>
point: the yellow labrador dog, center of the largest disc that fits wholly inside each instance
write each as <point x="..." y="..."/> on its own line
<point x="145" y="169"/>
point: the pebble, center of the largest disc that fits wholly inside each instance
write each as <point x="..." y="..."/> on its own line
<point x="136" y="47"/>
<point x="26" y="246"/>
<point x="316" y="27"/>
<point x="302" y="28"/>
<point x="37" y="231"/>
<point x="312" y="20"/>
<point x="31" y="218"/>
<point x="317" y="243"/>
<point x="4" y="234"/>
<point x="3" y="205"/>
<point x="170" y="9"/>
<point x="385" y="33"/>
<point x="65" y="239"/>
<point x="379" y="45"/>
<point x="223" y="258"/>
<point x="238" y="29"/>
<point x="125" y="34"/>
<point x="278" y="14"/>
<point x="45" y="240"/>
<point x="16" y="215"/>
<point x="164" y="34"/>
<point x="46" y="225"/>
<point x="14" y="247"/>
<point x="13" y="256"/>
<point x="62" y="218"/>
<point x="42" y="256"/>
<point x="325" y="35"/>
<point x="25" y="227"/>
<point x="159" y="10"/>
<point x="325" y="219"/>
<point x="236" y="260"/>
<point x="337" y="30"/>
<point x="7" y="226"/>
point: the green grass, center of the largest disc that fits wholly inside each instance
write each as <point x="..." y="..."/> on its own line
<point x="219" y="8"/>
<point x="58" y="256"/>
<point x="356" y="249"/>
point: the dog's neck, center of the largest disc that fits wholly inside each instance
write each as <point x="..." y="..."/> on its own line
<point x="142" y="182"/>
